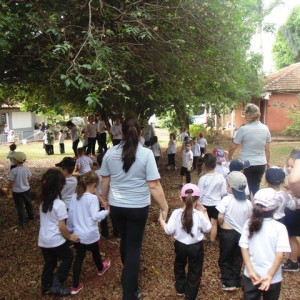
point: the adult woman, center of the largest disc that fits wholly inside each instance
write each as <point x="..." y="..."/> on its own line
<point x="129" y="176"/>
<point x="255" y="138"/>
<point x="74" y="135"/>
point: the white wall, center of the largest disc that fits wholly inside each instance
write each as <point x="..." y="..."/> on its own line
<point x="20" y="119"/>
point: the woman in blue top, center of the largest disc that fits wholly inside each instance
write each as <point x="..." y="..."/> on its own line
<point x="129" y="175"/>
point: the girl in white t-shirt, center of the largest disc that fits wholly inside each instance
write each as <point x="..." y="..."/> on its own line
<point x="84" y="163"/>
<point x="263" y="243"/>
<point x="187" y="224"/>
<point x="171" y="151"/>
<point x="53" y="234"/>
<point x="155" y="147"/>
<point x="84" y="216"/>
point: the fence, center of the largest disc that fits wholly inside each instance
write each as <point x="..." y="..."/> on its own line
<point x="23" y="136"/>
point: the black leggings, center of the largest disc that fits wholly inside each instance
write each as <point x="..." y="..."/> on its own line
<point x="254" y="175"/>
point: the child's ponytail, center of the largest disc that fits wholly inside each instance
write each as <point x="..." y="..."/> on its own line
<point x="187" y="216"/>
<point x="85" y="180"/>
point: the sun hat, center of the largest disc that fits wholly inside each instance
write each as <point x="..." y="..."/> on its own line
<point x="267" y="198"/>
<point x="20" y="156"/>
<point x="238" y="183"/>
<point x="275" y="175"/>
<point x="189" y="186"/>
<point x="67" y="162"/>
<point x="219" y="153"/>
<point x="238" y="165"/>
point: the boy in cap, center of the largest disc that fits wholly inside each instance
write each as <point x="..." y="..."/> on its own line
<point x="220" y="167"/>
<point x="234" y="209"/>
<point x="67" y="166"/>
<point x="19" y="185"/>
<point x="263" y="243"/>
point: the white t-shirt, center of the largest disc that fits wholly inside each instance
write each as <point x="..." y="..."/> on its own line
<point x="284" y="200"/>
<point x="68" y="190"/>
<point x="116" y="131"/>
<point x="101" y="126"/>
<point x="221" y="169"/>
<point x="84" y="216"/>
<point x="84" y="163"/>
<point x="99" y="188"/>
<point x="183" y="135"/>
<point x="20" y="175"/>
<point x="212" y="188"/>
<point x="129" y="189"/>
<point x="142" y="140"/>
<point x="61" y="138"/>
<point x="196" y="149"/>
<point x="171" y="147"/>
<point x="187" y="158"/>
<point x="202" y="142"/>
<point x="91" y="130"/>
<point x="200" y="225"/>
<point x="155" y="149"/>
<point x="253" y="138"/>
<point x="74" y="134"/>
<point x="236" y="212"/>
<point x="50" y="235"/>
<point x="263" y="245"/>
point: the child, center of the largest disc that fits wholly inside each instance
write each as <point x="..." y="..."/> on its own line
<point x="275" y="178"/>
<point x="61" y="139"/>
<point x="213" y="188"/>
<point x="84" y="216"/>
<point x="187" y="224"/>
<point x="84" y="163"/>
<point x="234" y="210"/>
<point x="239" y="165"/>
<point x="220" y="167"/>
<point x="187" y="163"/>
<point x="67" y="166"/>
<point x="85" y="139"/>
<point x="48" y="142"/>
<point x="203" y="143"/>
<point x="53" y="234"/>
<point x="142" y="134"/>
<point x="196" y="153"/>
<point x="171" y="151"/>
<point x="19" y="184"/>
<point x="263" y="243"/>
<point x="10" y="155"/>
<point x="155" y="147"/>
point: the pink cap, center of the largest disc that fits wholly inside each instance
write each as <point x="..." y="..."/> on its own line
<point x="190" y="186"/>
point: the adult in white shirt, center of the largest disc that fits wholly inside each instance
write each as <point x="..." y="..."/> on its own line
<point x="91" y="133"/>
<point x="101" y="135"/>
<point x="116" y="131"/>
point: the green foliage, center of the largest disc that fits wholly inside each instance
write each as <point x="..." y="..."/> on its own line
<point x="194" y="130"/>
<point x="294" y="115"/>
<point x="286" y="49"/>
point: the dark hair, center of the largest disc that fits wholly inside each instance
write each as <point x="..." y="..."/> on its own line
<point x="154" y="139"/>
<point x="85" y="180"/>
<point x="187" y="143"/>
<point x="187" y="216"/>
<point x="173" y="136"/>
<point x="13" y="147"/>
<point x="210" y="161"/>
<point x="69" y="170"/>
<point x="53" y="182"/>
<point x="80" y="151"/>
<point x="131" y="131"/>
<point x="258" y="215"/>
<point x="70" y="124"/>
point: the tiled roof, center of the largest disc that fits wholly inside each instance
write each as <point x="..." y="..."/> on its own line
<point x="284" y="80"/>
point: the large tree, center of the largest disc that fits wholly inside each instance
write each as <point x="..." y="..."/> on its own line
<point x="122" y="56"/>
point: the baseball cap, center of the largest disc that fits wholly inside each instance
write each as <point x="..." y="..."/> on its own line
<point x="67" y="162"/>
<point x="20" y="156"/>
<point x="267" y="198"/>
<point x="238" y="182"/>
<point x="219" y="153"/>
<point x="238" y="165"/>
<point x="275" y="175"/>
<point x="189" y="186"/>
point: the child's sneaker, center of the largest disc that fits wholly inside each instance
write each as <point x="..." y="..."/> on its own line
<point x="227" y="288"/>
<point x="106" y="265"/>
<point x="290" y="266"/>
<point x="76" y="290"/>
<point x="138" y="294"/>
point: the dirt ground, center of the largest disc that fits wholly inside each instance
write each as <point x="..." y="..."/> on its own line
<point x="21" y="261"/>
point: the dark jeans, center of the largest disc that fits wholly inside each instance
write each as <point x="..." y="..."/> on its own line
<point x="62" y="148"/>
<point x="75" y="146"/>
<point x="254" y="175"/>
<point x="171" y="159"/>
<point x="49" y="149"/>
<point x="193" y="255"/>
<point x="51" y="257"/>
<point x="230" y="260"/>
<point x="184" y="172"/>
<point x="101" y="139"/>
<point x="91" y="145"/>
<point x="131" y="224"/>
<point x="104" y="226"/>
<point x="195" y="162"/>
<point x="251" y="292"/>
<point x="79" y="258"/>
<point x="20" y="200"/>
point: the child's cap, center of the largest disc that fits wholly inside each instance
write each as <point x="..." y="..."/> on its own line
<point x="238" y="165"/>
<point x="190" y="188"/>
<point x="20" y="156"/>
<point x="219" y="153"/>
<point x="67" y="162"/>
<point x="267" y="198"/>
<point x="275" y="175"/>
<point x="238" y="182"/>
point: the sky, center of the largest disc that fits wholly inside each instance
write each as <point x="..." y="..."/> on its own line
<point x="278" y="16"/>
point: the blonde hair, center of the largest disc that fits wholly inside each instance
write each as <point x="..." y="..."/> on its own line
<point x="252" y="112"/>
<point x="85" y="180"/>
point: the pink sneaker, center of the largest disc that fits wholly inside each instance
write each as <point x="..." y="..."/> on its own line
<point x="106" y="265"/>
<point x="75" y="291"/>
